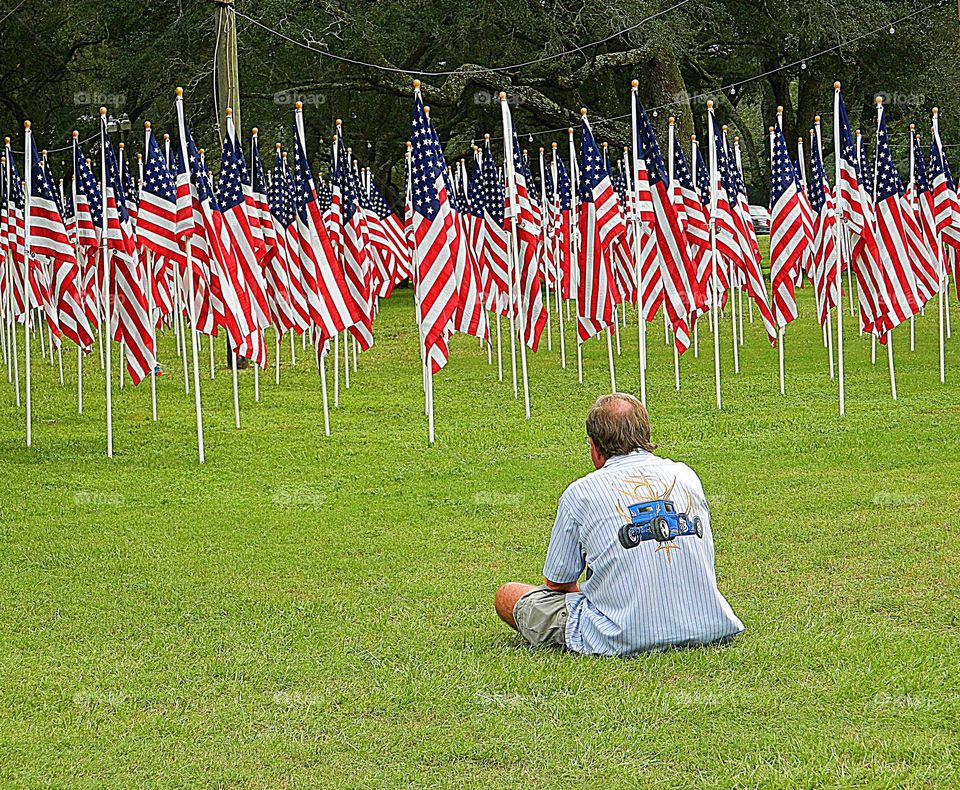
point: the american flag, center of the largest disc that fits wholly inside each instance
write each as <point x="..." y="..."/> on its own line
<point x="388" y="239"/>
<point x="332" y="307"/>
<point x="494" y="259"/>
<point x="924" y="210"/>
<point x="743" y="252"/>
<point x="946" y="206"/>
<point x="229" y="299"/>
<point x="434" y="234"/>
<point x="469" y="317"/>
<point x="241" y="223"/>
<point x="677" y="272"/>
<point x="825" y="234"/>
<point x="856" y="212"/>
<point x="900" y="281"/>
<point x="283" y="268"/>
<point x="157" y="221"/>
<point x="696" y="224"/>
<point x="922" y="246"/>
<point x="123" y="273"/>
<point x="355" y="238"/>
<point x="788" y="240"/>
<point x="599" y="223"/>
<point x="563" y="196"/>
<point x="88" y="205"/>
<point x="526" y="216"/>
<point x="46" y="237"/>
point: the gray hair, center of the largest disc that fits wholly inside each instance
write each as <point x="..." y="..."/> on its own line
<point x="618" y="424"/>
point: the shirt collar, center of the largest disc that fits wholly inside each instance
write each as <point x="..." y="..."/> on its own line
<point x="620" y="460"/>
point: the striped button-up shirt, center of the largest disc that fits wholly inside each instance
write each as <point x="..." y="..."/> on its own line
<point x="641" y="593"/>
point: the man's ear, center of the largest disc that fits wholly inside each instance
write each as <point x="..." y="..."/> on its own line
<point x="595" y="456"/>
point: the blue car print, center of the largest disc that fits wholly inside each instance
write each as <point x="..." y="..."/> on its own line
<point x="657" y="520"/>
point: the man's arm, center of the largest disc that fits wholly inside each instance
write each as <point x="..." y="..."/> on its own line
<point x="565" y="559"/>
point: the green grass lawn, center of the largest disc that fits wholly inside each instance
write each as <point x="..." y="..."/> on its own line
<point x="305" y="611"/>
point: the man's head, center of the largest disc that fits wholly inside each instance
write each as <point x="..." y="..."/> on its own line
<point x="616" y="425"/>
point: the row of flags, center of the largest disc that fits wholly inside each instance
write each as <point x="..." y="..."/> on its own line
<point x="663" y="228"/>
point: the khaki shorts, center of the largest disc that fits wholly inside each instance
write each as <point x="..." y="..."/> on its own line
<point x="541" y="617"/>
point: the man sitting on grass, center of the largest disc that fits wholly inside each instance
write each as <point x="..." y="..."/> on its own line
<point x="639" y="528"/>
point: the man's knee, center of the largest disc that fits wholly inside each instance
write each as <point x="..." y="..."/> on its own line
<point x="506" y="599"/>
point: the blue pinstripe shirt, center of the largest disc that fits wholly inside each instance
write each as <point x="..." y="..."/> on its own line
<point x="641" y="593"/>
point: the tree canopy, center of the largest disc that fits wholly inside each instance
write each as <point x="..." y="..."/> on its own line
<point x="59" y="61"/>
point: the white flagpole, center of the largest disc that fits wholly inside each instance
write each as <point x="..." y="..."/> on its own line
<point x="637" y="232"/>
<point x="511" y="178"/>
<point x="13" y="374"/>
<point x="712" y="151"/>
<point x="912" y="188"/>
<point x="302" y="137"/>
<point x="191" y="291"/>
<point x="558" y="267"/>
<point x="779" y="328"/>
<point x="27" y="188"/>
<point x="107" y="321"/>
<point x="575" y="253"/>
<point x="671" y="142"/>
<point x="840" y="248"/>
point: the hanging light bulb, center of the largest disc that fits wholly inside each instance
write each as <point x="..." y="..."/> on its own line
<point x="892" y="30"/>
<point x="655" y="113"/>
<point x="733" y="90"/>
<point x="803" y="65"/>
<point x="530" y="138"/>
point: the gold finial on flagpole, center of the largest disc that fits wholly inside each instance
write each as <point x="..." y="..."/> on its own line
<point x="147" y="125"/>
<point x="103" y="112"/>
<point x="122" y="146"/>
<point x="298" y="105"/>
<point x="836" y="85"/>
<point x="166" y="137"/>
<point x="779" y="109"/>
<point x="486" y="137"/>
<point x="503" y="95"/>
<point x="254" y="131"/>
<point x="416" y="85"/>
<point x="709" y="104"/>
<point x="583" y="112"/>
<point x="76" y="134"/>
<point x="671" y="121"/>
<point x="277" y="147"/>
<point x="879" y="101"/>
<point x="936" y="111"/>
<point x="816" y="119"/>
<point x="634" y="83"/>
<point x="912" y="127"/>
<point x="553" y="146"/>
<point x="229" y="112"/>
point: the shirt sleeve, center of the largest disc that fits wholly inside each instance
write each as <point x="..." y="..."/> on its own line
<point x="565" y="558"/>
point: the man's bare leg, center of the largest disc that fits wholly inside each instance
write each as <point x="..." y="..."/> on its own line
<point x="507" y="597"/>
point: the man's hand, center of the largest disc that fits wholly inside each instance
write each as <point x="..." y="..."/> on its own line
<point x="569" y="587"/>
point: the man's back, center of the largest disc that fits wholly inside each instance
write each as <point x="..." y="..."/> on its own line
<point x="641" y="526"/>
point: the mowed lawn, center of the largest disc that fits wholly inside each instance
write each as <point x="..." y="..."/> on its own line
<point x="305" y="611"/>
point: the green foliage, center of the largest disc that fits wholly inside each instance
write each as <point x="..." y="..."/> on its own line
<point x="52" y="53"/>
